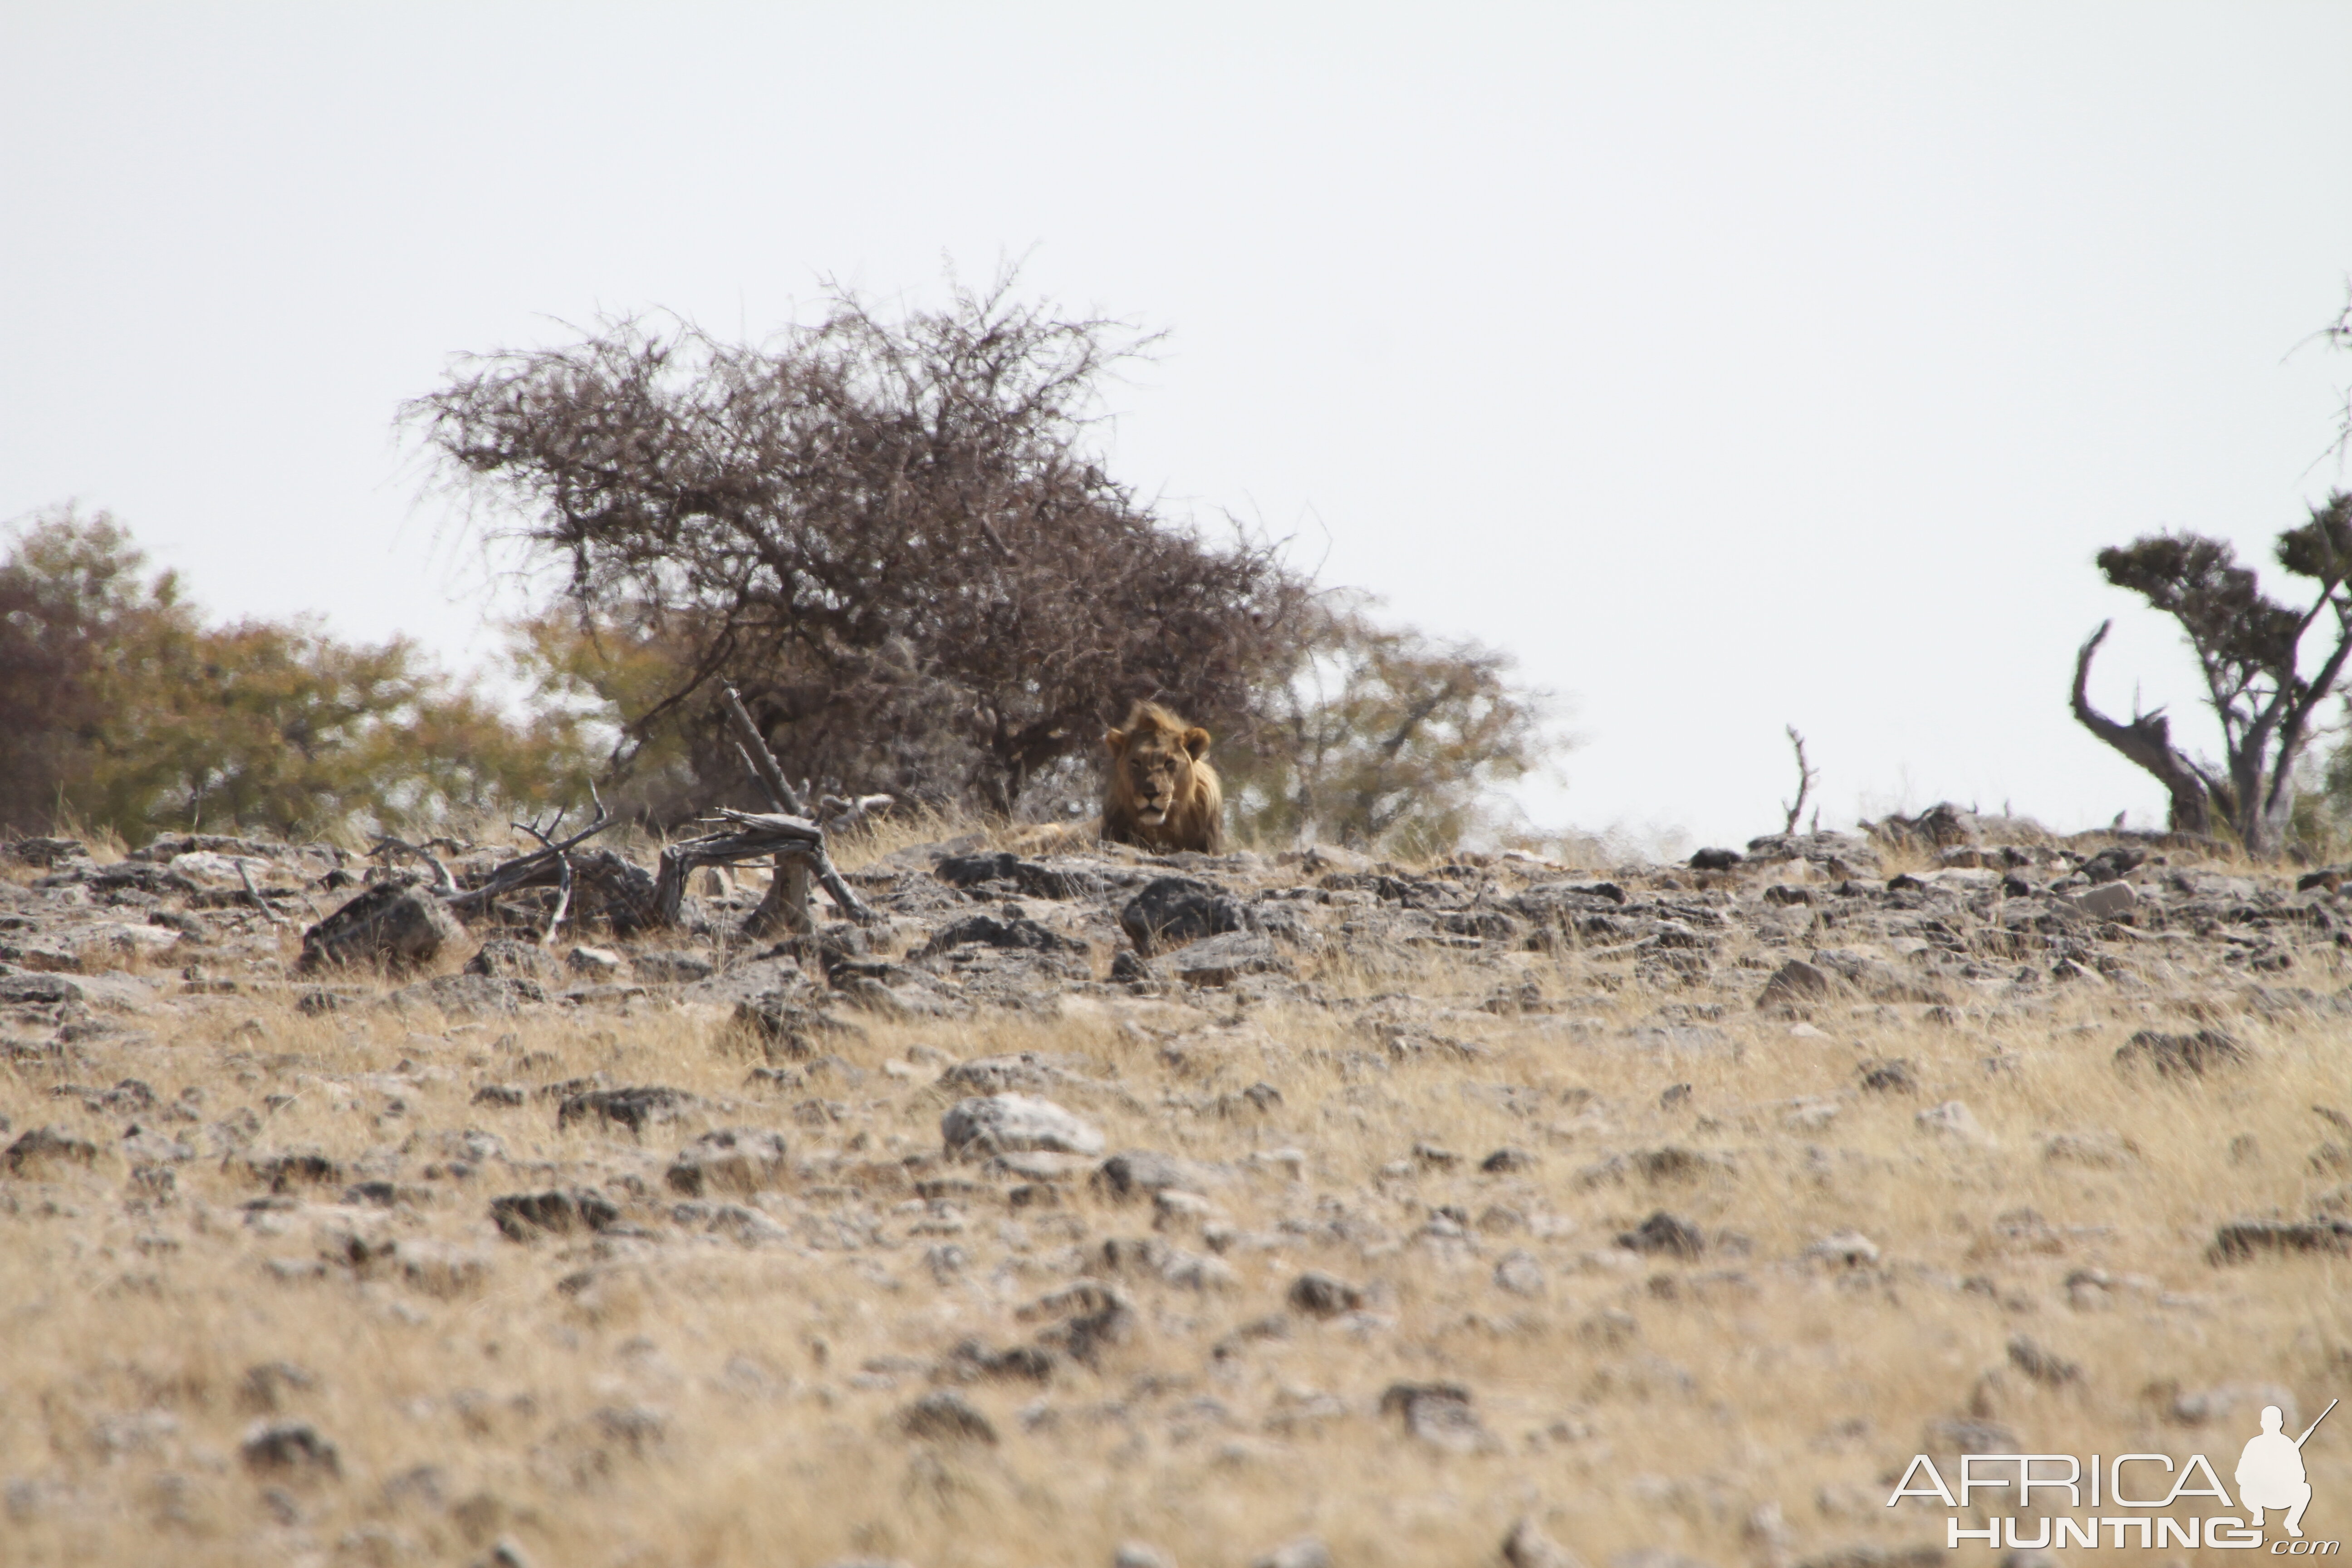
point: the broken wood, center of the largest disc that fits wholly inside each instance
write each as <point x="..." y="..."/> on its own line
<point x="1806" y="775"/>
<point x="791" y="840"/>
<point x="786" y="904"/>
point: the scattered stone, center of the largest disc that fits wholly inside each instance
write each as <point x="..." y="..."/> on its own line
<point x="1507" y="1162"/>
<point x="1662" y="1233"/>
<point x="674" y="968"/>
<point x="1136" y="1554"/>
<point x="1222" y="960"/>
<point x="1173" y="910"/>
<point x="1307" y="1551"/>
<point x="523" y="1216"/>
<point x="1526" y="1546"/>
<point x="1845" y="1248"/>
<point x="1436" y="1413"/>
<point x="2181" y="1056"/>
<point x="2045" y="1367"/>
<point x="2106" y="902"/>
<point x="292" y="1448"/>
<point x="739" y="1160"/>
<point x="1320" y="1295"/>
<point x="1953" y="1119"/>
<point x="787" y="1029"/>
<point x="946" y="1416"/>
<point x="1715" y="859"/>
<point x="996" y="1123"/>
<point x="503" y="958"/>
<point x="1896" y="1076"/>
<point x="399" y="925"/>
<point x="634" y="1108"/>
<point x="1134" y="1172"/>
<point x="49" y="1151"/>
<point x="1519" y="1273"/>
<point x="2242" y="1241"/>
<point x="595" y="962"/>
<point x="1796" y="984"/>
<point x="1015" y="932"/>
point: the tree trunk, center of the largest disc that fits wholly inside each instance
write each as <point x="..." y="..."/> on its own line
<point x="2147" y="741"/>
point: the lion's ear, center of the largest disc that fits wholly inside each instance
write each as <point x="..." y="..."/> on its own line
<point x="1196" y="741"/>
<point x="1114" y="742"/>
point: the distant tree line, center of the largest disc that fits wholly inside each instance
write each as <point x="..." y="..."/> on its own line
<point x="896" y="537"/>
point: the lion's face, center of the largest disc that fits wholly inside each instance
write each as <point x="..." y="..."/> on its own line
<point x="1163" y="793"/>
<point x="1156" y="767"/>
<point x="1158" y="770"/>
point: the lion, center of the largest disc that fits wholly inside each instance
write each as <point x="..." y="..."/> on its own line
<point x="1162" y="794"/>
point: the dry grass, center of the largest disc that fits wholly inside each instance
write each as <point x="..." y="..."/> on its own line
<point x="686" y="1401"/>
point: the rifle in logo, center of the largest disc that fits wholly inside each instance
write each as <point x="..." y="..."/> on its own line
<point x="2271" y="1474"/>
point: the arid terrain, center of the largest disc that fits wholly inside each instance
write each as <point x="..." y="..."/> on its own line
<point x="1303" y="1210"/>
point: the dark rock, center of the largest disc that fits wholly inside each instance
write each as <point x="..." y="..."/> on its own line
<point x="46" y="1148"/>
<point x="2112" y="864"/>
<point x="739" y="1160"/>
<point x="2181" y="1056"/>
<point x="1017" y="930"/>
<point x="635" y="1108"/>
<point x="1503" y="1162"/>
<point x="789" y="1029"/>
<point x="44" y="852"/>
<point x="969" y="870"/>
<point x="1320" y="1295"/>
<point x="299" y="1167"/>
<point x="972" y="1360"/>
<point x="265" y="1385"/>
<point x="504" y="1094"/>
<point x="520" y="1216"/>
<point x="400" y="925"/>
<point x="674" y="968"/>
<point x="289" y="1447"/>
<point x="2043" y="1367"/>
<point x="1786" y="893"/>
<point x="946" y="1416"/>
<point x="2241" y="1241"/>
<point x="1140" y="1172"/>
<point x="1085" y="1317"/>
<point x="1173" y="910"/>
<point x="1129" y="968"/>
<point x="469" y="995"/>
<point x="37" y="991"/>
<point x="1895" y="1076"/>
<point x="504" y="958"/>
<point x="1662" y="1233"/>
<point x="1796" y="984"/>
<point x="1715" y="859"/>
<point x="1437" y="1412"/>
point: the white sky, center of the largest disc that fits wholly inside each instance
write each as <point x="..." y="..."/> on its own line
<point x="1734" y="365"/>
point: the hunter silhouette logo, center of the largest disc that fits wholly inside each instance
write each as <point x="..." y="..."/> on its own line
<point x="2270" y="1472"/>
<point x="2125" y="1499"/>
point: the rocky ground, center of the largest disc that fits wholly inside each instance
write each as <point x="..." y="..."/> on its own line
<point x="1279" y="1210"/>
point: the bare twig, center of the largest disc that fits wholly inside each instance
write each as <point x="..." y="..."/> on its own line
<point x="1806" y="775"/>
<point x="521" y="871"/>
<point x="255" y="894"/>
<point x="442" y="879"/>
<point x="563" y="896"/>
<point x="764" y="766"/>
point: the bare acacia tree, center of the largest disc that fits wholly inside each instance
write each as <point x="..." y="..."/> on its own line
<point x="892" y="536"/>
<point x="2249" y="649"/>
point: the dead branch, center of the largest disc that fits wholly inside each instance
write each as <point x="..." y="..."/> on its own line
<point x="255" y="894"/>
<point x="531" y="869"/>
<point x="1806" y="776"/>
<point x="764" y="766"/>
<point x="2146" y="740"/>
<point x="442" y="879"/>
<point x="790" y="839"/>
<point x="563" y="897"/>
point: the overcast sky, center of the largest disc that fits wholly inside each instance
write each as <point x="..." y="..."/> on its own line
<point x="1733" y="365"/>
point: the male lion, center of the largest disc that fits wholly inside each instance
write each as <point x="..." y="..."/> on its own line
<point x="1163" y="796"/>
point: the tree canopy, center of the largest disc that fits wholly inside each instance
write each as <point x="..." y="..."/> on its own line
<point x="2249" y="650"/>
